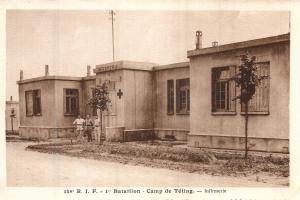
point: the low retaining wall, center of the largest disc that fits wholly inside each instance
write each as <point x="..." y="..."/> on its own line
<point x="119" y="134"/>
<point x="45" y="132"/>
<point x="114" y="134"/>
<point x="177" y="134"/>
<point x="233" y="142"/>
<point x="138" y="135"/>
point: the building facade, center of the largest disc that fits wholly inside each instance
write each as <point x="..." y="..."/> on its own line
<point x="190" y="101"/>
<point x="216" y="120"/>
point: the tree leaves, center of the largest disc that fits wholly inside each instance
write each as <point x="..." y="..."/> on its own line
<point x="247" y="78"/>
<point x="100" y="98"/>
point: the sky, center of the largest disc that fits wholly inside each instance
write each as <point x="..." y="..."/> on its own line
<point x="68" y="40"/>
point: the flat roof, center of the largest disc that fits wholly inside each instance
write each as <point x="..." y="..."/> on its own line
<point x="61" y="78"/>
<point x="172" y="66"/>
<point x="240" y="45"/>
<point x="124" y="64"/>
<point x="85" y="78"/>
<point x="11" y="102"/>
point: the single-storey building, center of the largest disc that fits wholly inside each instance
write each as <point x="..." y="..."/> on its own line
<point x="190" y="101"/>
<point x="216" y="120"/>
<point x="11" y="116"/>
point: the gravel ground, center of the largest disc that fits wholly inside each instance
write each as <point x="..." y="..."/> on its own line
<point x="34" y="169"/>
<point x="260" y="167"/>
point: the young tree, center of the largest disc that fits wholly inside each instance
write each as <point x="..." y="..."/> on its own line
<point x="247" y="79"/>
<point x="100" y="100"/>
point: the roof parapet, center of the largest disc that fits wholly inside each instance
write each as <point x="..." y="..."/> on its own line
<point x="131" y="65"/>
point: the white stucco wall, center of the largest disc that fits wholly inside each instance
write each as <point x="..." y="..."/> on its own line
<point x="274" y="125"/>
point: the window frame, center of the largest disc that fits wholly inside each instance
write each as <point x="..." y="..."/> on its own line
<point x="36" y="105"/>
<point x="170" y="97"/>
<point x="181" y="88"/>
<point x="261" y="112"/>
<point x="71" y="96"/>
<point x="229" y="90"/>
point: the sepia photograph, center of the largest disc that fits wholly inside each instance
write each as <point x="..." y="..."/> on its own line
<point x="147" y="98"/>
<point x="139" y="101"/>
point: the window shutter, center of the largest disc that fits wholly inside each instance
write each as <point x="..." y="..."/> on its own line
<point x="265" y="86"/>
<point x="188" y="99"/>
<point x="38" y="102"/>
<point x="64" y="100"/>
<point x="76" y="97"/>
<point x="232" y="89"/>
<point x="170" y="96"/>
<point x="213" y="106"/>
<point x="260" y="100"/>
<point x="29" y="103"/>
<point x="177" y="97"/>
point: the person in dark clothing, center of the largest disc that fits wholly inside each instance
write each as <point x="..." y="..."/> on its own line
<point x="89" y="124"/>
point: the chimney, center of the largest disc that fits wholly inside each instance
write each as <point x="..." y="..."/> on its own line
<point x="198" y="39"/>
<point x="214" y="43"/>
<point x="88" y="70"/>
<point x="46" y="70"/>
<point x="11" y="98"/>
<point x="21" y="75"/>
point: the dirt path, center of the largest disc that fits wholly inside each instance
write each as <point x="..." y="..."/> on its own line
<point x="27" y="168"/>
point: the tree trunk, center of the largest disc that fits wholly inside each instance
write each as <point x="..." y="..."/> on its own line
<point x="101" y="125"/>
<point x="246" y="130"/>
<point x="12" y="124"/>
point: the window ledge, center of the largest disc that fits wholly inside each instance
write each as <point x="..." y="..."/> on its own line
<point x="257" y="113"/>
<point x="111" y="114"/>
<point x="171" y="113"/>
<point x="36" y="115"/>
<point x="68" y="114"/>
<point x="223" y="113"/>
<point x="182" y="113"/>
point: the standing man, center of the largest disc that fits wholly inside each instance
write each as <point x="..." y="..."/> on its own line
<point x="89" y="124"/>
<point x="97" y="130"/>
<point x="79" y="127"/>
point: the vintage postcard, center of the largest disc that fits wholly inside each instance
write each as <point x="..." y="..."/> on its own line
<point x="108" y="102"/>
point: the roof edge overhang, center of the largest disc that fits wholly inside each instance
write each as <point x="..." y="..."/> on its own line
<point x="240" y="45"/>
<point x="56" y="78"/>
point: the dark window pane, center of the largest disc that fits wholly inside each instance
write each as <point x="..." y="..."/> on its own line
<point x="38" y="106"/>
<point x="67" y="104"/>
<point x="73" y="105"/>
<point x="220" y="87"/>
<point x="71" y="101"/>
<point x="188" y="100"/>
<point x="36" y="100"/>
<point x="170" y="96"/>
<point x="182" y="87"/>
<point x="29" y="103"/>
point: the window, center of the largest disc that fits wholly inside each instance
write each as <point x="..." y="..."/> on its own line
<point x="33" y="102"/>
<point x="170" y="97"/>
<point x="71" y="106"/>
<point x="183" y="96"/>
<point x="260" y="100"/>
<point x="223" y="89"/>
